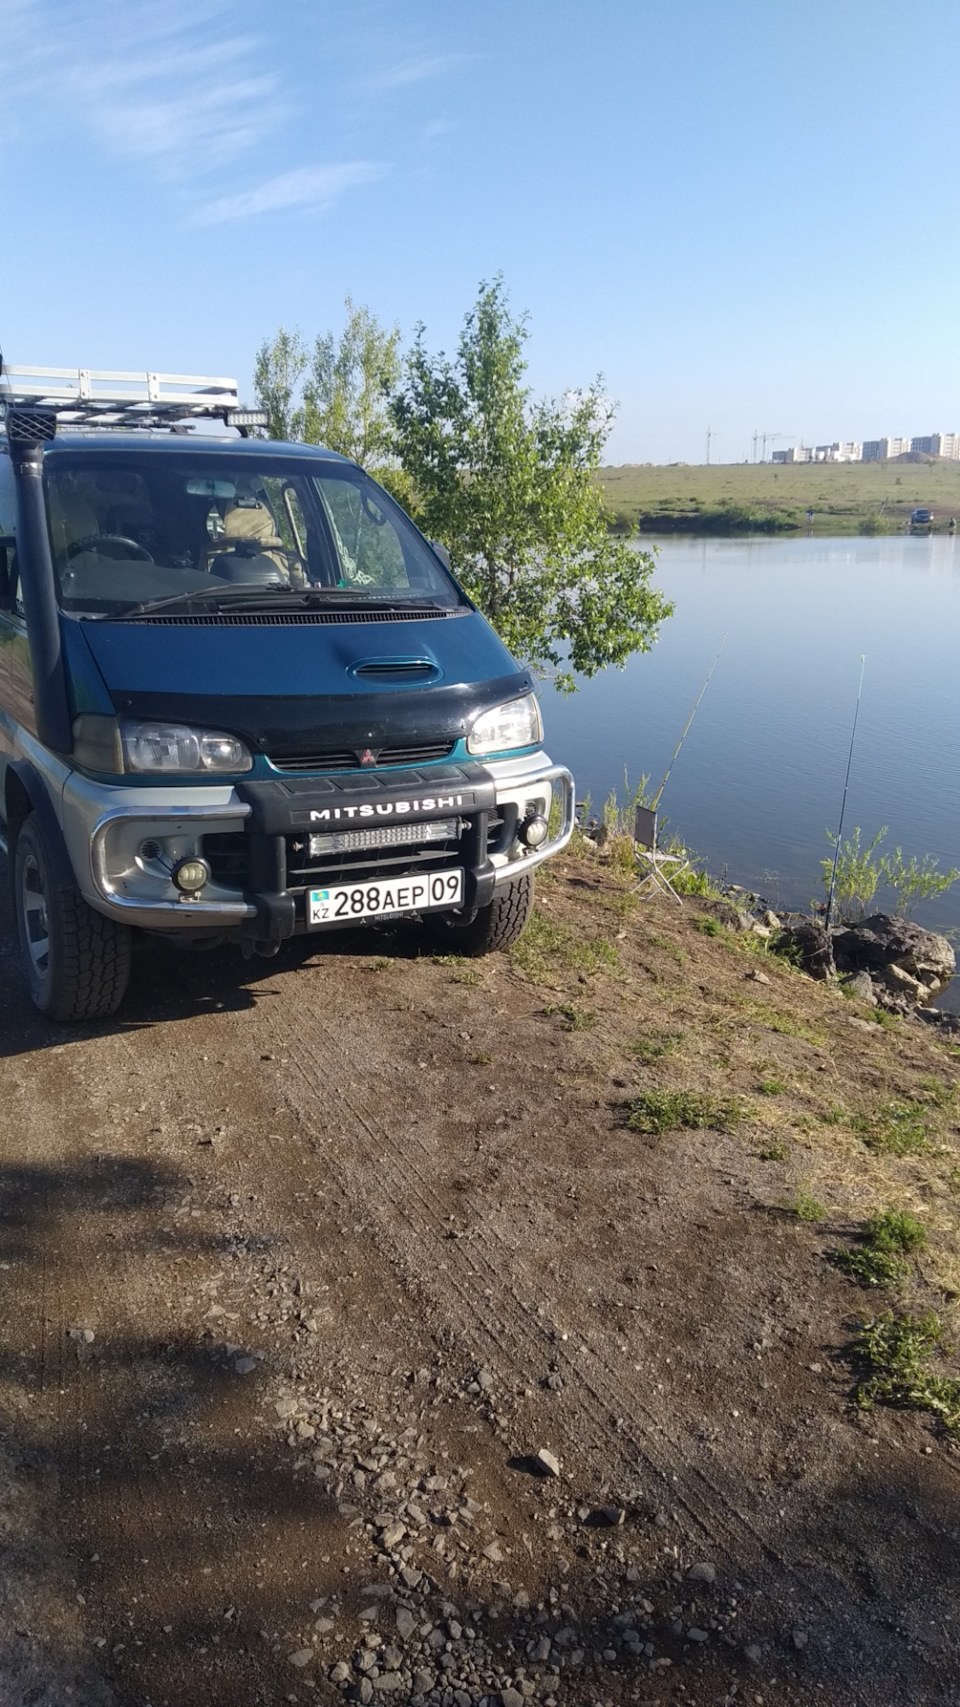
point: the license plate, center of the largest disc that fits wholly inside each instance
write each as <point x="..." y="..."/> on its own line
<point x="348" y="903"/>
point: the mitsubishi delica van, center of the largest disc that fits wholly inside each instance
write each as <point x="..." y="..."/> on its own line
<point x="241" y="697"/>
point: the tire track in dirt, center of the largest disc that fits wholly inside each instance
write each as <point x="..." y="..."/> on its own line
<point x="468" y="1282"/>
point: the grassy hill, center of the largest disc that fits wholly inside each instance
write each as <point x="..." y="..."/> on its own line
<point x="852" y="497"/>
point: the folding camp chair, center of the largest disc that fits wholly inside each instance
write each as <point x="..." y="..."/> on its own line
<point x="656" y="867"/>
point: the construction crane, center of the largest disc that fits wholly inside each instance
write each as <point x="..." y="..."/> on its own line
<point x="772" y="437"/>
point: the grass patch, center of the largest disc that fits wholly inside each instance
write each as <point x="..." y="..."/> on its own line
<point x="885" y="1242"/>
<point x="656" y="1045"/>
<point x="666" y="1111"/>
<point x="774" y="1150"/>
<point x="933" y="1091"/>
<point x="806" y="1207"/>
<point x="895" y="1129"/>
<point x="461" y="971"/>
<point x="771" y="1087"/>
<point x="709" y="927"/>
<point x="696" y="882"/>
<point x="573" y="1017"/>
<point x="898" y="1350"/>
<point x="785" y="1024"/>
<point x="677" y="954"/>
<point x="545" y="948"/>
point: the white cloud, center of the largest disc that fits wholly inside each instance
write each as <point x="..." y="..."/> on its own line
<point x="415" y="70"/>
<point x="313" y="187"/>
<point x="169" y="83"/>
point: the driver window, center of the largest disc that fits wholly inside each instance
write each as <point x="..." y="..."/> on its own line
<point x="73" y="511"/>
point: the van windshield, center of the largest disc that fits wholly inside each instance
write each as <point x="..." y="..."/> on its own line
<point x="129" y="528"/>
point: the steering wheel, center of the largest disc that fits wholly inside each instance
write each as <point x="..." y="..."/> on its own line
<point x="95" y="542"/>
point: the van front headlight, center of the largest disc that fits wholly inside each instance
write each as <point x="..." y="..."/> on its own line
<point x="516" y="724"/>
<point x="174" y="749"/>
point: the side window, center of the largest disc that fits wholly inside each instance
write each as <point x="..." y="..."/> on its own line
<point x="8" y="529"/>
<point x="367" y="542"/>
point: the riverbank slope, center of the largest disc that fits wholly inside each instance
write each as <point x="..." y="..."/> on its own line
<point x="305" y="1261"/>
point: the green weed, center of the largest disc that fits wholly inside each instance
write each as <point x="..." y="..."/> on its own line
<point x="853" y="873"/>
<point x="461" y="970"/>
<point x="574" y="1018"/>
<point x="887" y="1238"/>
<point x="673" y="949"/>
<point x="932" y="1090"/>
<point x="895" y="1129"/>
<point x="709" y="927"/>
<point x="546" y="948"/>
<point x="771" y="1087"/>
<point x="784" y="1024"/>
<point x="657" y="1044"/>
<point x="898" y="1350"/>
<point x="695" y="881"/>
<point x="806" y="1207"/>
<point x="774" y="1150"/>
<point x="666" y="1111"/>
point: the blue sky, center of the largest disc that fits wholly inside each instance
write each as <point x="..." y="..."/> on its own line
<point x="744" y="215"/>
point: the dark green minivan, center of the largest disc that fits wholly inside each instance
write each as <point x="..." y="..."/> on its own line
<point x="241" y="697"/>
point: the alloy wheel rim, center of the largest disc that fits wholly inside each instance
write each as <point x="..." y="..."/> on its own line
<point x="33" y="902"/>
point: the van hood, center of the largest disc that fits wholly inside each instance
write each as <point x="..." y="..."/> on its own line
<point x="313" y="686"/>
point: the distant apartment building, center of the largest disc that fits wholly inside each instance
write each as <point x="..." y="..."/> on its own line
<point x="938" y="444"/>
<point x="881" y="450"/>
<point x="842" y="451"/>
<point x="873" y="450"/>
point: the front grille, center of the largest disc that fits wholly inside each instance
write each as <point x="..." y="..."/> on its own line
<point x="345" y="760"/>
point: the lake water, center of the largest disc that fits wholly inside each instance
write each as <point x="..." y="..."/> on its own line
<point x="760" y="775"/>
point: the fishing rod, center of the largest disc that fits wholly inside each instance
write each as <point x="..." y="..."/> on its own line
<point x="843" y="803"/>
<point x="656" y="799"/>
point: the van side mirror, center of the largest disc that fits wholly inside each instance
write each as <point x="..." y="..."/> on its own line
<point x="441" y="552"/>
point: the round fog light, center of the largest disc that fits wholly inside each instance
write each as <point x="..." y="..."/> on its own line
<point x="533" y="831"/>
<point x="190" y="875"/>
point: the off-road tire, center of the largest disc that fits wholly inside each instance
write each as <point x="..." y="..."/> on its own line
<point x="83" y="970"/>
<point x="496" y="926"/>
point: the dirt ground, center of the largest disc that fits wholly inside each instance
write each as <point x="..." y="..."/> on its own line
<point x="303" y="1261"/>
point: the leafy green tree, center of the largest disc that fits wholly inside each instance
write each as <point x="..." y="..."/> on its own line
<point x="345" y="397"/>
<point x="277" y="373"/>
<point x="336" y="395"/>
<point x="508" y="485"/>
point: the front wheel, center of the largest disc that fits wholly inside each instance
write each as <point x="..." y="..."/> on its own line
<point x="77" y="962"/>
<point x="495" y="926"/>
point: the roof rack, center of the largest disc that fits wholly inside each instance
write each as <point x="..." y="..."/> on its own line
<point x="96" y="397"/>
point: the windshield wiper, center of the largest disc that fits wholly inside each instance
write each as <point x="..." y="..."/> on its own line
<point x="255" y="598"/>
<point x="196" y="595"/>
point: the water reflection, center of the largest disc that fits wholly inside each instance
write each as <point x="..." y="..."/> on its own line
<point x="760" y="775"/>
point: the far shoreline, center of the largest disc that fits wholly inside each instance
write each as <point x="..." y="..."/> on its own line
<point x="780" y="500"/>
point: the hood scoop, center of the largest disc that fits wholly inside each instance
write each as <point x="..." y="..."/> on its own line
<point x="395" y="671"/>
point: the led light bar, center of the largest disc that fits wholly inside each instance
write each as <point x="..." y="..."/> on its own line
<point x="384" y="836"/>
